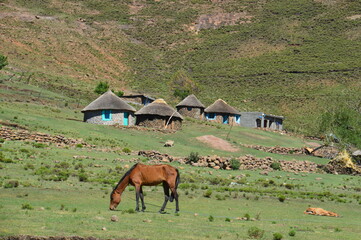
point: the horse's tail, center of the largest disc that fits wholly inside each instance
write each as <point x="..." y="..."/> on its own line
<point x="177" y="181"/>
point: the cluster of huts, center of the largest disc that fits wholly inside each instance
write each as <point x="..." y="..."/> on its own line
<point x="109" y="109"/>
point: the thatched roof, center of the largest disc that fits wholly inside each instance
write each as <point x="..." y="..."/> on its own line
<point x="109" y="100"/>
<point x="221" y="106"/>
<point x="190" y="101"/>
<point x="160" y="108"/>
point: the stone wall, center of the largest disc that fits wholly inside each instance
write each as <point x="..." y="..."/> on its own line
<point x="24" y="135"/>
<point x="159" y="122"/>
<point x="95" y="117"/>
<point x="248" y="162"/>
<point x="196" y="113"/>
<point x="279" y="150"/>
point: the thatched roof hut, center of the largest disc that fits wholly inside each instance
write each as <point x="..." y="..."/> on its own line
<point x="221" y="112"/>
<point x="159" y="114"/>
<point x="109" y="109"/>
<point x="191" y="107"/>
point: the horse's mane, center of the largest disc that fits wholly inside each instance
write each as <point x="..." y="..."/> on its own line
<point x="125" y="175"/>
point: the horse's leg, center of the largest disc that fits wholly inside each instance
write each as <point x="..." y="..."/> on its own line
<point x="166" y="196"/>
<point x="175" y="195"/>
<point x="142" y="198"/>
<point x="137" y="195"/>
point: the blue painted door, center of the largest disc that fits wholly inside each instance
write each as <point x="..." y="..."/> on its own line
<point x="126" y="119"/>
<point x="225" y="119"/>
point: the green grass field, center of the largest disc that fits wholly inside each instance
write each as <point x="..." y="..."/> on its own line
<point x="49" y="192"/>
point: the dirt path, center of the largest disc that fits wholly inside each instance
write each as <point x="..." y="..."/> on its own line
<point x="217" y="143"/>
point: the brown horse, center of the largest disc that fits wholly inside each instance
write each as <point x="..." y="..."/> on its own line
<point x="148" y="175"/>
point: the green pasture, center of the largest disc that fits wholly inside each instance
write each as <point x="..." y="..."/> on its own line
<point x="211" y="201"/>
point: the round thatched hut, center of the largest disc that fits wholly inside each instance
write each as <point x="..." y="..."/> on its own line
<point x="221" y="112"/>
<point x="159" y="114"/>
<point x="191" y="107"/>
<point x="109" y="109"/>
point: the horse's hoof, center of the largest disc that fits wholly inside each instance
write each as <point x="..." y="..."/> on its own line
<point x="162" y="212"/>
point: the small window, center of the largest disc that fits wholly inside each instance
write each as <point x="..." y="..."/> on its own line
<point x="189" y="108"/>
<point x="238" y="119"/>
<point x="107" y="115"/>
<point x="211" y="116"/>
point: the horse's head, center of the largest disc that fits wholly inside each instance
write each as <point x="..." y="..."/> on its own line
<point x="114" y="200"/>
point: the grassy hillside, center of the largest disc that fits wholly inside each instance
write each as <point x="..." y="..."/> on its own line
<point x="293" y="58"/>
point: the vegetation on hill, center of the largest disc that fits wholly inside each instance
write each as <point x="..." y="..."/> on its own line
<point x="290" y="58"/>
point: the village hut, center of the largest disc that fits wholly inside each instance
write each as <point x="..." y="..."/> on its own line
<point x="191" y="107"/>
<point x="262" y="120"/>
<point x="159" y="114"/>
<point x="109" y="109"/>
<point x="139" y="99"/>
<point x="221" y="112"/>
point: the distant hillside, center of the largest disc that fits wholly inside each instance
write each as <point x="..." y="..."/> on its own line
<point x="293" y="58"/>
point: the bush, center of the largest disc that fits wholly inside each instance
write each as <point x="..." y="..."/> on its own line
<point x="211" y="218"/>
<point x="292" y="233"/>
<point x="79" y="145"/>
<point x="193" y="157"/>
<point x="281" y="198"/>
<point x="11" y="184"/>
<point x="126" y="150"/>
<point x="276" y="166"/>
<point x="83" y="177"/>
<point x="235" y="164"/>
<point x="207" y="193"/>
<point x="101" y="88"/>
<point x="277" y="236"/>
<point x="255" y="233"/>
<point x="26" y="206"/>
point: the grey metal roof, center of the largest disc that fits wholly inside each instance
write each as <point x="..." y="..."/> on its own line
<point x="159" y="107"/>
<point x="221" y="106"/>
<point x="190" y="101"/>
<point x="109" y="100"/>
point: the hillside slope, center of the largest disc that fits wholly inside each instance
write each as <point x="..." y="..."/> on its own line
<point x="292" y="58"/>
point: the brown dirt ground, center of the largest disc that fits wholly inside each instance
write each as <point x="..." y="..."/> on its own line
<point x="217" y="143"/>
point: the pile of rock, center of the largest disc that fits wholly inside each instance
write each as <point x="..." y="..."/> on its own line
<point x="278" y="149"/>
<point x="160" y="157"/>
<point x="24" y="135"/>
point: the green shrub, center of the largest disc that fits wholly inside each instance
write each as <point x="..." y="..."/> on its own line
<point x="11" y="184"/>
<point x="101" y="88"/>
<point x="126" y="150"/>
<point x="281" y="198"/>
<point x="79" y="145"/>
<point x="207" y="193"/>
<point x="26" y="206"/>
<point x="211" y="218"/>
<point x="247" y="216"/>
<point x="276" y="166"/>
<point x="193" y="157"/>
<point x="292" y="233"/>
<point x="2" y="140"/>
<point x="235" y="164"/>
<point x="277" y="236"/>
<point x="83" y="177"/>
<point x="255" y="233"/>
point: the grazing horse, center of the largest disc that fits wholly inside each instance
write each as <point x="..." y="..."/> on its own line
<point x="141" y="175"/>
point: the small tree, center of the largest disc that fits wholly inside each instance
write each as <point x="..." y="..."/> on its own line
<point x="101" y="88"/>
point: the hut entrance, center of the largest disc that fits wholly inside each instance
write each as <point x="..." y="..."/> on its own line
<point x="126" y="119"/>
<point x="225" y="119"/>
<point x="258" y="122"/>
